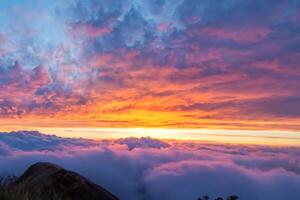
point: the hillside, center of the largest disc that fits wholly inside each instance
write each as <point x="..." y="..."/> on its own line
<point x="46" y="181"/>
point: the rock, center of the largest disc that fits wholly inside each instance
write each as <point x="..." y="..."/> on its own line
<point x="53" y="182"/>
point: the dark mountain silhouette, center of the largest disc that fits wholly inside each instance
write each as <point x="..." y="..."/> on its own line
<point x="46" y="181"/>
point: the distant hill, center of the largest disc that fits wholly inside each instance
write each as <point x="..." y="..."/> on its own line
<point x="34" y="140"/>
<point x="46" y="181"/>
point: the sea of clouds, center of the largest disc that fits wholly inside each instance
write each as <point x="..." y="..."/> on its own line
<point x="149" y="169"/>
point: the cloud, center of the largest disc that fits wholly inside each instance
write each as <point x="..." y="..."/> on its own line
<point x="144" y="142"/>
<point x="72" y="58"/>
<point x="89" y="31"/>
<point x="4" y="149"/>
<point x="181" y="170"/>
<point x="188" y="179"/>
<point x="35" y="141"/>
<point x="277" y="106"/>
<point x="249" y="34"/>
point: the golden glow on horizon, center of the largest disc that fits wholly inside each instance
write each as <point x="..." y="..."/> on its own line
<point x="168" y="82"/>
<point x="278" y="138"/>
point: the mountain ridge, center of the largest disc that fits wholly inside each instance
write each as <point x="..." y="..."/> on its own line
<point x="49" y="181"/>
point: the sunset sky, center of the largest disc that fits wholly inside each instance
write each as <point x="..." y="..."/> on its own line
<point x="69" y="66"/>
<point x="154" y="99"/>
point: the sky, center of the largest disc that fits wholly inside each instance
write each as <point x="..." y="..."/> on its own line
<point x="168" y="64"/>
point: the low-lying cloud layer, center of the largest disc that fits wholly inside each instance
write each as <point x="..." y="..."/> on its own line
<point x="179" y="170"/>
<point x="143" y="142"/>
<point x="33" y="140"/>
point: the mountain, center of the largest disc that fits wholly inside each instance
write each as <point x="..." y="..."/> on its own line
<point x="49" y="181"/>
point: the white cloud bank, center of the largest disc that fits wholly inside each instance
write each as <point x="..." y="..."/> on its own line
<point x="134" y="170"/>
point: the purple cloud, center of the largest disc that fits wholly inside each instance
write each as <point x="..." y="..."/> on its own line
<point x="180" y="170"/>
<point x="144" y="142"/>
<point x="63" y="57"/>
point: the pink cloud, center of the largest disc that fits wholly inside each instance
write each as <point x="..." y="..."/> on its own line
<point x="239" y="34"/>
<point x="163" y="27"/>
<point x="88" y="30"/>
<point x="181" y="170"/>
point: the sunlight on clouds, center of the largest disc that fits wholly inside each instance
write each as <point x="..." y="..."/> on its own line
<point x="277" y="138"/>
<point x="152" y="64"/>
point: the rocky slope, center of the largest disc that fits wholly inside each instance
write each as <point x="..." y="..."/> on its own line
<point x="49" y="182"/>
